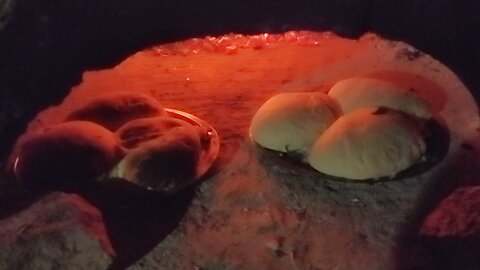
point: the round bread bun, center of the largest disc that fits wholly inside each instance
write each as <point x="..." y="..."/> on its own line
<point x="115" y="109"/>
<point x="368" y="143"/>
<point x="292" y="121"/>
<point x="166" y="162"/>
<point x="141" y="130"/>
<point x="67" y="155"/>
<point x="355" y="93"/>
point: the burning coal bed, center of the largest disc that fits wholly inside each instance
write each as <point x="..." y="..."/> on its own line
<point x="300" y="150"/>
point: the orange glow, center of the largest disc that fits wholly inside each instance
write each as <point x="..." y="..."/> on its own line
<point x="255" y="206"/>
<point x="226" y="89"/>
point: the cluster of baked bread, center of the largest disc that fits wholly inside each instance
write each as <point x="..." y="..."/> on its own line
<point x="126" y="135"/>
<point x="361" y="129"/>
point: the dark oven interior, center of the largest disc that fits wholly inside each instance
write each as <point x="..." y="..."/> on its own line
<point x="46" y="45"/>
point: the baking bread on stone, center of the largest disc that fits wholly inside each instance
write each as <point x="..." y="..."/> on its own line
<point x="113" y="110"/>
<point x="293" y="121"/>
<point x="368" y="143"/>
<point x="355" y="93"/>
<point x="162" y="153"/>
<point x="66" y="155"/>
<point x="141" y="130"/>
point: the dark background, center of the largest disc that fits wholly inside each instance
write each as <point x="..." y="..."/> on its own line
<point x="45" y="45"/>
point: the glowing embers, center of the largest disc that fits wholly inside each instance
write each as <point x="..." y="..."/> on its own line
<point x="385" y="131"/>
<point x="159" y="149"/>
<point x="232" y="43"/>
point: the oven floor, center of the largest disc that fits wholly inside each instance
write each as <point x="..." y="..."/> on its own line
<point x="256" y="210"/>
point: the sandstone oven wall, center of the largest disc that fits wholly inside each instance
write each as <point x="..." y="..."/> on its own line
<point x="46" y="45"/>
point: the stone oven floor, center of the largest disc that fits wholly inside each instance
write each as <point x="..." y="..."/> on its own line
<point x="256" y="210"/>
